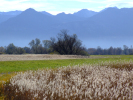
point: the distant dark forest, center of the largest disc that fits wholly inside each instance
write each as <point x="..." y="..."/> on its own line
<point x="111" y="51"/>
<point x="45" y="49"/>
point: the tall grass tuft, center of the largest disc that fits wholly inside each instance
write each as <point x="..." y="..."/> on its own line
<point x="86" y="82"/>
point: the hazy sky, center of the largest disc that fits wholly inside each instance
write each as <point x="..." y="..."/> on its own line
<point x="67" y="6"/>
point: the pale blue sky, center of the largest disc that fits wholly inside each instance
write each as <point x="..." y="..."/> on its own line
<point x="58" y="6"/>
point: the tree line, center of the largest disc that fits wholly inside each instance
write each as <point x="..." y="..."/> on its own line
<point x="111" y="51"/>
<point x="64" y="44"/>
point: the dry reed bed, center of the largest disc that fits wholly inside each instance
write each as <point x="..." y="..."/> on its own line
<point x="86" y="82"/>
<point x="7" y="57"/>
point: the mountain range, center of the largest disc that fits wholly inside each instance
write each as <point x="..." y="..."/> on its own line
<point x="109" y="27"/>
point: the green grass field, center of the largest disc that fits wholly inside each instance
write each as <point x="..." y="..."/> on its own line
<point x="8" y="68"/>
<point x="16" y="66"/>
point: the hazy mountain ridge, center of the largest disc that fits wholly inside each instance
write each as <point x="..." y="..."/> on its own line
<point x="85" y="13"/>
<point x="110" y="27"/>
<point x="7" y="15"/>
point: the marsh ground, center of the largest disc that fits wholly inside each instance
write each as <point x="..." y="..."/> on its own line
<point x="9" y="64"/>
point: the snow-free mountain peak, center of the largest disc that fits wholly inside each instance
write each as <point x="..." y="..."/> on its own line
<point x="85" y="13"/>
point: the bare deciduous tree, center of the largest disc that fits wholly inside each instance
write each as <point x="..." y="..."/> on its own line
<point x="67" y="44"/>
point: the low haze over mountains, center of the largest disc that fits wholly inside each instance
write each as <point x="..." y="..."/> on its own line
<point x="110" y="27"/>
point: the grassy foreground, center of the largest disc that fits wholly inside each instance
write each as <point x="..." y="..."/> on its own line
<point x="8" y="68"/>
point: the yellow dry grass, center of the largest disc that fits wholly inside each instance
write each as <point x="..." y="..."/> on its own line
<point x="7" y="57"/>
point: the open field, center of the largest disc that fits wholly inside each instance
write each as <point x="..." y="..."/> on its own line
<point x="7" y="57"/>
<point x="23" y="65"/>
<point x="122" y="64"/>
